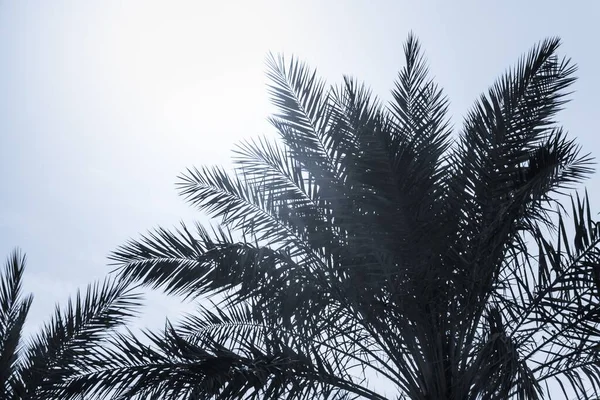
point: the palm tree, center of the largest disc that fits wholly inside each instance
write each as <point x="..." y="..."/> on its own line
<point x="37" y="370"/>
<point x="369" y="243"/>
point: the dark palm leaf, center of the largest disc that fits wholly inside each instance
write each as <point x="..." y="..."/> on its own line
<point x="61" y="347"/>
<point x="13" y="311"/>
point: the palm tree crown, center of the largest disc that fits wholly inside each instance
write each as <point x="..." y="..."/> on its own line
<point x="369" y="241"/>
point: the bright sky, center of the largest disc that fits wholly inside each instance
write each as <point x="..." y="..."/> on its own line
<point x="104" y="103"/>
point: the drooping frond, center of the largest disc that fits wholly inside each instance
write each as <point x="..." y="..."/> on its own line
<point x="195" y="265"/>
<point x="225" y="354"/>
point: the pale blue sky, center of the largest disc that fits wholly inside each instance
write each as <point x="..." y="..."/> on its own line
<point x="103" y="103"/>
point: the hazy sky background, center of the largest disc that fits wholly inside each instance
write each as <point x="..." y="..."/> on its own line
<point x="104" y="103"/>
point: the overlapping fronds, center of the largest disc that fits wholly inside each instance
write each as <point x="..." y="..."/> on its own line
<point x="228" y="353"/>
<point x="38" y="368"/>
<point x="367" y="242"/>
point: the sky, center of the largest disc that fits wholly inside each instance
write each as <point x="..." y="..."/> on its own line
<point x="104" y="103"/>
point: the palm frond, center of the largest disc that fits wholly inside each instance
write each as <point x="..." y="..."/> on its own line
<point x="59" y="350"/>
<point x="303" y="112"/>
<point x="304" y="125"/>
<point x="293" y="195"/>
<point x="242" y="207"/>
<point x="13" y="311"/>
<point x="192" y="266"/>
<point x="420" y="114"/>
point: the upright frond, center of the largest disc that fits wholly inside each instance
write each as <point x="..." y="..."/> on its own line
<point x="420" y="109"/>
<point x="13" y="311"/>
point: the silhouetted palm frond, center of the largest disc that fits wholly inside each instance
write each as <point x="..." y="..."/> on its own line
<point x="13" y="311"/>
